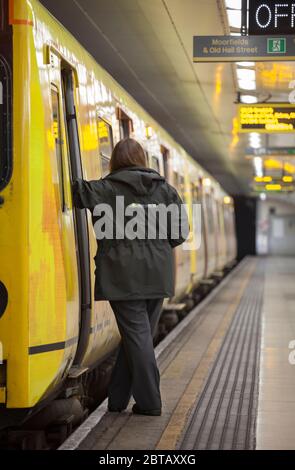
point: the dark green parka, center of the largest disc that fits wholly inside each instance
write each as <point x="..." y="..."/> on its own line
<point x="129" y="269"/>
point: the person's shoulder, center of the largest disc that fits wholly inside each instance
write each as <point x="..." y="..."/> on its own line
<point x="101" y="183"/>
<point x="172" y="191"/>
<point x="169" y="193"/>
<point x="170" y="187"/>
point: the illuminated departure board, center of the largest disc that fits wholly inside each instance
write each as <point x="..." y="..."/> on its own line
<point x="270" y="17"/>
<point x="267" y="118"/>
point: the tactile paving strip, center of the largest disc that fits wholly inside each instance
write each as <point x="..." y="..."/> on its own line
<point x="225" y="413"/>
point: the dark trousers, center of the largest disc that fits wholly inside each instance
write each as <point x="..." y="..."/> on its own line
<point x="136" y="372"/>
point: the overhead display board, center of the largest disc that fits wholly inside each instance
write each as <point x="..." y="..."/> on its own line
<point x="243" y="48"/>
<point x="270" y="17"/>
<point x="267" y="118"/>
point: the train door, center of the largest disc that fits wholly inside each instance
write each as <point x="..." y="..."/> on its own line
<point x="210" y="228"/>
<point x="229" y="225"/>
<point x="182" y="257"/>
<point x="80" y="216"/>
<point x="218" y="234"/>
<point x="166" y="158"/>
<point x="200" y="268"/>
<point x="204" y="227"/>
<point x="234" y="247"/>
<point x="61" y="177"/>
<point x="216" y="228"/>
<point x="221" y="236"/>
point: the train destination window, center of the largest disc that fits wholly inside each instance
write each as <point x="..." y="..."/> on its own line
<point x="106" y="144"/>
<point x="56" y="130"/>
<point x="126" y="124"/>
<point x="5" y="122"/>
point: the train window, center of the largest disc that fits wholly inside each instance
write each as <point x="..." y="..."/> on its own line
<point x="147" y="157"/>
<point x="106" y="144"/>
<point x="196" y="196"/>
<point x="5" y="95"/>
<point x="5" y="123"/>
<point x="56" y="131"/>
<point x="155" y="164"/>
<point x="105" y="166"/>
<point x="126" y="124"/>
<point x="105" y="137"/>
<point x="166" y="154"/>
<point x="178" y="182"/>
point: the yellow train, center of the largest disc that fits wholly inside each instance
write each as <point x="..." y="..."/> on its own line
<point x="60" y="115"/>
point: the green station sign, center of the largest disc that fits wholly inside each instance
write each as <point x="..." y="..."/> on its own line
<point x="243" y="48"/>
<point x="271" y="152"/>
<point x="276" y="46"/>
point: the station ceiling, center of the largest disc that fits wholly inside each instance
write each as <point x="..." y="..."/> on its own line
<point x="147" y="47"/>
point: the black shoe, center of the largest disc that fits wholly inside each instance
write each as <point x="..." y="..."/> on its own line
<point x="138" y="411"/>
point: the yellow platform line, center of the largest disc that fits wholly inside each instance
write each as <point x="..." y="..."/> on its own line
<point x="179" y="418"/>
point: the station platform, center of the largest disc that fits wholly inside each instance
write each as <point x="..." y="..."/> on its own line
<point x="226" y="378"/>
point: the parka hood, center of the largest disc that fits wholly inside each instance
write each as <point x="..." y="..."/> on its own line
<point x="141" y="181"/>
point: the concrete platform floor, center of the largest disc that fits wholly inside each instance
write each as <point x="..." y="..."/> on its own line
<point x="187" y="358"/>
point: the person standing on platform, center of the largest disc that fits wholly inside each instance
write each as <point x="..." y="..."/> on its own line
<point x="134" y="265"/>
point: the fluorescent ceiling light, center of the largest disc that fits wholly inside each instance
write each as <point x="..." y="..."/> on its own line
<point x="245" y="64"/>
<point x="249" y="99"/>
<point x="247" y="85"/>
<point x="234" y="18"/>
<point x="262" y="196"/>
<point x="234" y="4"/>
<point x="258" y="166"/>
<point x="254" y="135"/>
<point x="255" y="145"/>
<point x="246" y="74"/>
<point x="235" y="34"/>
<point x="255" y="141"/>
